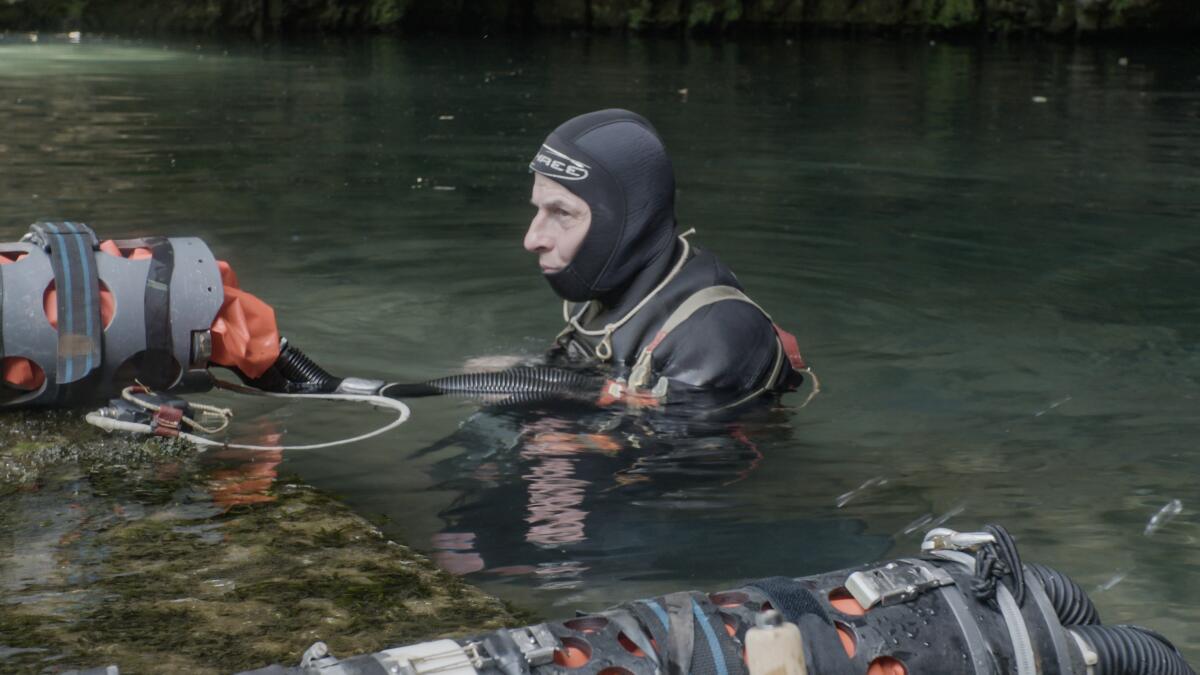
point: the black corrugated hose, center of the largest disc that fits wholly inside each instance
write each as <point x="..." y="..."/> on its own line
<point x="1131" y="650"/>
<point x="303" y="373"/>
<point x="524" y="380"/>
<point x="1071" y="603"/>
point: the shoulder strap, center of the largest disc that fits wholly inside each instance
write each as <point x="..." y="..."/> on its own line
<point x="639" y="377"/>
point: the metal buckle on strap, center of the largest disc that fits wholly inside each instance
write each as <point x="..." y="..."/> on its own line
<point x="945" y="539"/>
<point x="536" y="643"/>
<point x="478" y="655"/>
<point x="317" y="656"/>
<point x="38" y="234"/>
<point x="894" y="583"/>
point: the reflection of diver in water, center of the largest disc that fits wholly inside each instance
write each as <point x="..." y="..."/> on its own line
<point x="558" y="494"/>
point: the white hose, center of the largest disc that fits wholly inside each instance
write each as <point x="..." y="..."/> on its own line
<point x="402" y="414"/>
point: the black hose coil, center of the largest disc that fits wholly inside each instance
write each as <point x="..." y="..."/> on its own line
<point x="1071" y="603"/>
<point x="521" y="380"/>
<point x="299" y="369"/>
<point x="1131" y="650"/>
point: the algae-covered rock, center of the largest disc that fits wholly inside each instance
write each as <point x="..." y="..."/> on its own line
<point x="156" y="558"/>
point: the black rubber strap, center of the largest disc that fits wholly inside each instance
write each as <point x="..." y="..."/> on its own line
<point x="71" y="247"/>
<point x="791" y="598"/>
<point x="681" y="637"/>
<point x="158" y="369"/>
<point x="715" y="651"/>
<point x="689" y="635"/>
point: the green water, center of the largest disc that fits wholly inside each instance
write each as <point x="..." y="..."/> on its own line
<point x="989" y="254"/>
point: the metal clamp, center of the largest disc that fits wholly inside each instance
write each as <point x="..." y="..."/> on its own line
<point x="201" y="349"/>
<point x="317" y="656"/>
<point x="445" y="657"/>
<point x="360" y="386"/>
<point x="945" y="539"/>
<point x="536" y="643"/>
<point x="895" y="582"/>
<point x="1090" y="658"/>
<point x="478" y="656"/>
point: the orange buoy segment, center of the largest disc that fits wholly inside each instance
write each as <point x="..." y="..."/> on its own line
<point x="845" y="603"/>
<point x="574" y="653"/>
<point x="886" y="665"/>
<point x="847" y="639"/>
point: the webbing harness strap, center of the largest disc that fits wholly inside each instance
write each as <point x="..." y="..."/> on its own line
<point x="689" y="635"/>
<point x="1018" y="632"/>
<point x="791" y="598"/>
<point x="639" y="377"/>
<point x="158" y="362"/>
<point x="71" y="248"/>
<point x="591" y="308"/>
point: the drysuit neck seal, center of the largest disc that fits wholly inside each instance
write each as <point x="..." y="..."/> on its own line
<point x="604" y="348"/>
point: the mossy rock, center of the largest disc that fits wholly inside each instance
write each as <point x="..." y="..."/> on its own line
<point x="127" y="555"/>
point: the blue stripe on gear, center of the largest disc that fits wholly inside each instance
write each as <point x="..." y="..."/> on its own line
<point x="711" y="637"/>
<point x="660" y="613"/>
<point x="64" y="320"/>
<point x="86" y="258"/>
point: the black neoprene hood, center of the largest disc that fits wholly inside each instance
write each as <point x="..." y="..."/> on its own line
<point x="616" y="162"/>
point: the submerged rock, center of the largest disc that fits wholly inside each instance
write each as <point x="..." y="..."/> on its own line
<point x="155" y="558"/>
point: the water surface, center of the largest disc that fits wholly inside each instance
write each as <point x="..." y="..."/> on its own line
<point x="989" y="253"/>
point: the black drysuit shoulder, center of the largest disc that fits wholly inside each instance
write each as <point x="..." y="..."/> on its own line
<point x="723" y="352"/>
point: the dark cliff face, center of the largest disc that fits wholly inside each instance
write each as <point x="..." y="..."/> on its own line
<point x="1060" y="17"/>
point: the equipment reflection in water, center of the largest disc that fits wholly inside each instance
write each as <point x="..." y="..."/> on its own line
<point x="551" y="491"/>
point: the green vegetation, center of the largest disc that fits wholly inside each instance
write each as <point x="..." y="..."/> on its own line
<point x="269" y="16"/>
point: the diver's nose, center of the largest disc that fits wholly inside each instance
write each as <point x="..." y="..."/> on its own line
<point x="536" y="239"/>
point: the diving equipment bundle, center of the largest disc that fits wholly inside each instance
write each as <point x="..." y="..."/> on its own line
<point x="966" y="606"/>
<point x="141" y="321"/>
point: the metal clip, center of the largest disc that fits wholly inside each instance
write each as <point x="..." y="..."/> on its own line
<point x="894" y="583"/>
<point x="360" y="386"/>
<point x="317" y="656"/>
<point x="536" y="643"/>
<point x="945" y="539"/>
<point x="478" y="655"/>
<point x="201" y="349"/>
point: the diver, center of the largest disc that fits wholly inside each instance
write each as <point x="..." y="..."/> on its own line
<point x="666" y="327"/>
<point x="668" y="318"/>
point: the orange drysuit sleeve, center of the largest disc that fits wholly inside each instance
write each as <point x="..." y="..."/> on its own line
<point x="245" y="334"/>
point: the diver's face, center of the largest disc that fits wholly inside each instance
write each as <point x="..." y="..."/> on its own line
<point x="559" y="226"/>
